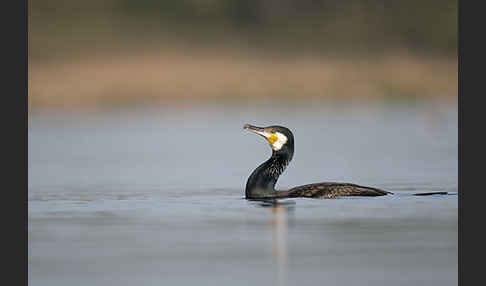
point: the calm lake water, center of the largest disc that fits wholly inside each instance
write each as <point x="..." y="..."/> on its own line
<point x="157" y="198"/>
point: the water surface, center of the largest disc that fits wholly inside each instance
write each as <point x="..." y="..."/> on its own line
<point x="156" y="198"/>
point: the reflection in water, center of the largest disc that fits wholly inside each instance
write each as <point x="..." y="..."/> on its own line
<point x="127" y="192"/>
<point x="279" y="223"/>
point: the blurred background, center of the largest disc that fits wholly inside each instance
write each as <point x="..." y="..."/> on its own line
<point x="123" y="53"/>
<point x="138" y="159"/>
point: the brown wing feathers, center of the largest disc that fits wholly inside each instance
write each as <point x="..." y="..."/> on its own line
<point x="332" y="190"/>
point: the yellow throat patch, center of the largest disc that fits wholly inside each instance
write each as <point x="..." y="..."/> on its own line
<point x="272" y="139"/>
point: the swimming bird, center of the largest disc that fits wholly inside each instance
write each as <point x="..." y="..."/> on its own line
<point x="261" y="183"/>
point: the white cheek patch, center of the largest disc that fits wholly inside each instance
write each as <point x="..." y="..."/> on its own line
<point x="282" y="139"/>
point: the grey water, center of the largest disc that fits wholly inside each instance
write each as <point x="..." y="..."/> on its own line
<point x="157" y="197"/>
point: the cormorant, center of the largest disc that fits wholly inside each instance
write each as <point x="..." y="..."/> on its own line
<point x="261" y="183"/>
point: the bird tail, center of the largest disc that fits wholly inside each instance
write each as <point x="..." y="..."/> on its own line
<point x="430" y="194"/>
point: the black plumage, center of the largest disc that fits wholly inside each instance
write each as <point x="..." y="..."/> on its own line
<point x="261" y="183"/>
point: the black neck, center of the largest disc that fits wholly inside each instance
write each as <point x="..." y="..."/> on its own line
<point x="261" y="183"/>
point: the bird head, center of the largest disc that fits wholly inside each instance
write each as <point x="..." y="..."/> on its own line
<point x="278" y="137"/>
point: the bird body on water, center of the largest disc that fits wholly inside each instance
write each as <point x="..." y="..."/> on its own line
<point x="261" y="183"/>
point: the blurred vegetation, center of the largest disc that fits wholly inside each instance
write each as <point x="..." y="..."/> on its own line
<point x="126" y="52"/>
<point x="325" y="27"/>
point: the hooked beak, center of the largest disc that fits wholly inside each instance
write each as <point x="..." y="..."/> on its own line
<point x="271" y="138"/>
<point x="257" y="130"/>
